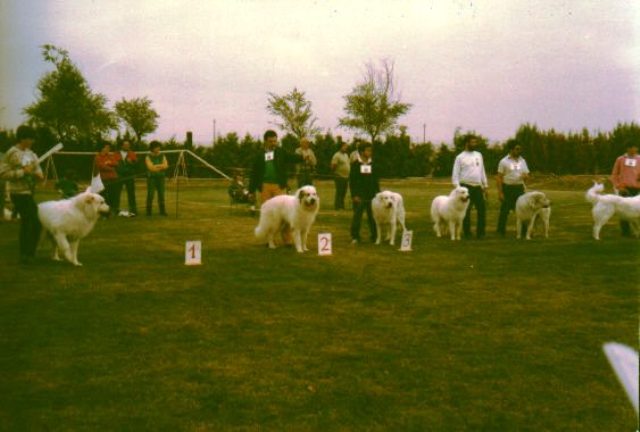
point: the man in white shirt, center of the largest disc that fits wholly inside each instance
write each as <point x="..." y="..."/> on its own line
<point x="468" y="171"/>
<point x="341" y="166"/>
<point x="512" y="174"/>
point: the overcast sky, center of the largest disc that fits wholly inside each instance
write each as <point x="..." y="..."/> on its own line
<point x="487" y="66"/>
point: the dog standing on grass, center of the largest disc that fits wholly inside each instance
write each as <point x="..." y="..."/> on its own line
<point x="529" y="207"/>
<point x="297" y="212"/>
<point x="388" y="211"/>
<point x="447" y="212"/>
<point x="68" y="221"/>
<point x="607" y="205"/>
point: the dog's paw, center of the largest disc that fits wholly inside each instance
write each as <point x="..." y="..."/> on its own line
<point x="77" y="264"/>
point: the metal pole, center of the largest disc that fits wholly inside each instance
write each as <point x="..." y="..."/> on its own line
<point x="214" y="132"/>
<point x="424" y="133"/>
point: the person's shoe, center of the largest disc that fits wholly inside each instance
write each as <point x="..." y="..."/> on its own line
<point x="26" y="260"/>
<point x="354" y="241"/>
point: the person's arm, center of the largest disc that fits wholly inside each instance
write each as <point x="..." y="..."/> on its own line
<point x="11" y="168"/>
<point x="150" y="166"/>
<point x="164" y="164"/>
<point x="334" y="163"/>
<point x="615" y="174"/>
<point x="525" y="172"/>
<point x="353" y="183"/>
<point x="455" y="175"/>
<point x="483" y="179"/>
<point x="312" y="159"/>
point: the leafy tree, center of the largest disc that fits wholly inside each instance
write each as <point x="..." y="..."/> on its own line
<point x="373" y="106"/>
<point x="66" y="105"/>
<point x="138" y="115"/>
<point x="294" y="111"/>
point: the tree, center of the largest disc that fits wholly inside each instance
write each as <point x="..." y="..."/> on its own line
<point x="373" y="106"/>
<point x="66" y="105"/>
<point x="294" y="111"/>
<point x="138" y="115"/>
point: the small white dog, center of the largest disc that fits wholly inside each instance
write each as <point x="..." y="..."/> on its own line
<point x="605" y="206"/>
<point x="529" y="207"/>
<point x="297" y="212"/>
<point x="388" y="211"/>
<point x="69" y="220"/>
<point x="447" y="212"/>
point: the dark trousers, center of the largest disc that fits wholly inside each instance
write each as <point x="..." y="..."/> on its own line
<point x="29" y="223"/>
<point x="342" y="184"/>
<point x="358" y="209"/>
<point x="130" y="185"/>
<point x="155" y="183"/>
<point x="111" y="195"/>
<point x="305" y="179"/>
<point x="476" y="198"/>
<point x="511" y="194"/>
<point x="624" y="225"/>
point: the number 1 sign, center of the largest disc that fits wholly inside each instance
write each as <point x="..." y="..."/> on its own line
<point x="193" y="253"/>
<point x="324" y="244"/>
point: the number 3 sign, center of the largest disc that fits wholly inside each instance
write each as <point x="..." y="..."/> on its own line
<point x="324" y="244"/>
<point x="407" y="238"/>
<point x="193" y="253"/>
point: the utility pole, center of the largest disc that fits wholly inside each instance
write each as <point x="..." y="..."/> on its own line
<point x="424" y="133"/>
<point x="214" y="132"/>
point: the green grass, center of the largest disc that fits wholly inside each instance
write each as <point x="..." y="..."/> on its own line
<point x="491" y="335"/>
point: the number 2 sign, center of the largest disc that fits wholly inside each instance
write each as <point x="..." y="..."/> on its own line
<point x="193" y="253"/>
<point x="324" y="244"/>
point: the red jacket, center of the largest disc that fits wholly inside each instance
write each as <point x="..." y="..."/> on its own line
<point x="106" y="165"/>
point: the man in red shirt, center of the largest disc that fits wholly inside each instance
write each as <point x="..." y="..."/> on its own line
<point x="626" y="177"/>
<point x="106" y="163"/>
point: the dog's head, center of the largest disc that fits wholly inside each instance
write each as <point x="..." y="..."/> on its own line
<point x="460" y="193"/>
<point x="539" y="200"/>
<point x="91" y="204"/>
<point x="387" y="199"/>
<point x="308" y="197"/>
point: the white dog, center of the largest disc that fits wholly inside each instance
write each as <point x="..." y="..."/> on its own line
<point x="388" y="210"/>
<point x="529" y="207"/>
<point x="449" y="211"/>
<point x="605" y="206"/>
<point x="69" y="220"/>
<point x="297" y="212"/>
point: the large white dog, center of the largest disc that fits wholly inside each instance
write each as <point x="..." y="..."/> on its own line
<point x="388" y="211"/>
<point x="297" y="212"/>
<point x="69" y="220"/>
<point x="529" y="207"/>
<point x="447" y="212"/>
<point x="607" y="205"/>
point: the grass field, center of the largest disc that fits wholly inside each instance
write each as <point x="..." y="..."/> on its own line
<point x="491" y="335"/>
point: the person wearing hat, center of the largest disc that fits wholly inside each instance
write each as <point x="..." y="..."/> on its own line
<point x="22" y="170"/>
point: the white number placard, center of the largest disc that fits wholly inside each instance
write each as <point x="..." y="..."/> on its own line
<point x="629" y="162"/>
<point x="193" y="253"/>
<point x="407" y="239"/>
<point x="268" y="156"/>
<point x="365" y="169"/>
<point x="324" y="244"/>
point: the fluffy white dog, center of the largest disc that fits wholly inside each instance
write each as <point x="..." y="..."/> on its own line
<point x="529" y="207"/>
<point x="605" y="206"/>
<point x="69" y="220"/>
<point x="388" y="211"/>
<point x="447" y="212"/>
<point x="297" y="212"/>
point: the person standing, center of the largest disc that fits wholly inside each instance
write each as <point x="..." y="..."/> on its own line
<point x="127" y="176"/>
<point x="105" y="163"/>
<point x="512" y="174"/>
<point x="269" y="172"/>
<point x="341" y="167"/>
<point x="626" y="178"/>
<point x="364" y="183"/>
<point x="157" y="165"/>
<point x="22" y="170"/>
<point x="307" y="167"/>
<point x="468" y="171"/>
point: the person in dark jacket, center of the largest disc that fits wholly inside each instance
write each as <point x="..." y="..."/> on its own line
<point x="269" y="173"/>
<point x="364" y="184"/>
<point x="127" y="176"/>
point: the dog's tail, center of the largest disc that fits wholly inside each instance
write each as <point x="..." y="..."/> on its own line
<point x="593" y="194"/>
